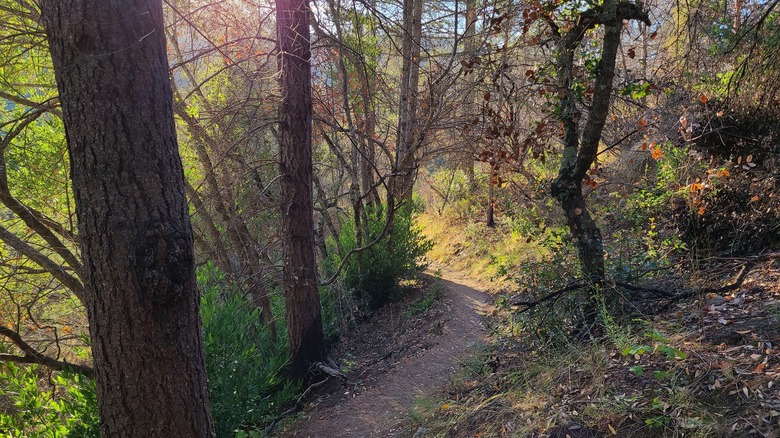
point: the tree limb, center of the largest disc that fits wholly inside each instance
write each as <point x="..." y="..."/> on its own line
<point x="32" y="356"/>
<point x="60" y="273"/>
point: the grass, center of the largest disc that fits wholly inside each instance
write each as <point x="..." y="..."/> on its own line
<point x="516" y="389"/>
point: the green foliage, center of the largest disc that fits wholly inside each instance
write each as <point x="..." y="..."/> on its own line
<point x="425" y="302"/>
<point x="65" y="406"/>
<point x="372" y="275"/>
<point x="245" y="365"/>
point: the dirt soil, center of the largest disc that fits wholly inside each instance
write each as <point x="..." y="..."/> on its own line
<point x="395" y="359"/>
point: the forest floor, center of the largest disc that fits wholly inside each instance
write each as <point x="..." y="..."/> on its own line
<point x="396" y="359"/>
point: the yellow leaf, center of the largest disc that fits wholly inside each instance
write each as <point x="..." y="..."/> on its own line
<point x="749" y="158"/>
<point x="612" y="429"/>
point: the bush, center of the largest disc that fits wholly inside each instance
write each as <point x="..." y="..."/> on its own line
<point x="245" y="365"/>
<point x="64" y="407"/>
<point x="373" y="275"/>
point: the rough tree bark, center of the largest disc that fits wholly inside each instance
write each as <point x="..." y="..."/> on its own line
<point x="141" y="296"/>
<point x="404" y="167"/>
<point x="580" y="151"/>
<point x="304" y="317"/>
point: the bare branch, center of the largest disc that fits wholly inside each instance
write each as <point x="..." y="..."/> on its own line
<point x="31" y="356"/>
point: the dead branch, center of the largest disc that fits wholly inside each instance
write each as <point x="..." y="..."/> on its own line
<point x="749" y="263"/>
<point x="329" y="370"/>
<point x="531" y="304"/>
<point x="32" y="356"/>
<point x="655" y="291"/>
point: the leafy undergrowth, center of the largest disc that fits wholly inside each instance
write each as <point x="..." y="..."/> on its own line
<point x="486" y="254"/>
<point x="705" y="367"/>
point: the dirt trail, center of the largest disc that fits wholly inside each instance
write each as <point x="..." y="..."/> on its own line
<point x="381" y="408"/>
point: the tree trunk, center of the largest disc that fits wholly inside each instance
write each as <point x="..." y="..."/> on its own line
<point x="465" y="157"/>
<point x="489" y="220"/>
<point x="404" y="169"/>
<point x="580" y="153"/>
<point x="136" y="240"/>
<point x="304" y="319"/>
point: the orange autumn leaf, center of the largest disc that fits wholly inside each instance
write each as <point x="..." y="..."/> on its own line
<point x="695" y="187"/>
<point x="754" y="198"/>
<point x="703" y="98"/>
<point x="642" y="123"/>
<point x="702" y="210"/>
<point x="760" y="368"/>
<point x="657" y="153"/>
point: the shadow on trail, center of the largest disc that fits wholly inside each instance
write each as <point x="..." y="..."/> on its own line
<point x="382" y="408"/>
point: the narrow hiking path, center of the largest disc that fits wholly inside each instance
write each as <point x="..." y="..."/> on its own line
<point x="379" y="404"/>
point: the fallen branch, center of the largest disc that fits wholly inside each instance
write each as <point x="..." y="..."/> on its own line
<point x="655" y="291"/>
<point x="750" y="262"/>
<point x="295" y="408"/>
<point x="329" y="370"/>
<point x="32" y="356"/>
<point x="531" y="304"/>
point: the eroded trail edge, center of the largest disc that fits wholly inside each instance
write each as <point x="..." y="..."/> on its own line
<point x="382" y="407"/>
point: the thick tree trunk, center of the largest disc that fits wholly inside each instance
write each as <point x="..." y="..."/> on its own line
<point x="304" y="319"/>
<point x="142" y="299"/>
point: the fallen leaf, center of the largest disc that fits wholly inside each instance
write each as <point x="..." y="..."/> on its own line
<point x="754" y="198"/>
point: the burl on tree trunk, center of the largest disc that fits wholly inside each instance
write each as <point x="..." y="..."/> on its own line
<point x="140" y="291"/>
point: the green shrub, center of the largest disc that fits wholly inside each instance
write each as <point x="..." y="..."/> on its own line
<point x="66" y="408"/>
<point x="372" y="275"/>
<point x="245" y="365"/>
